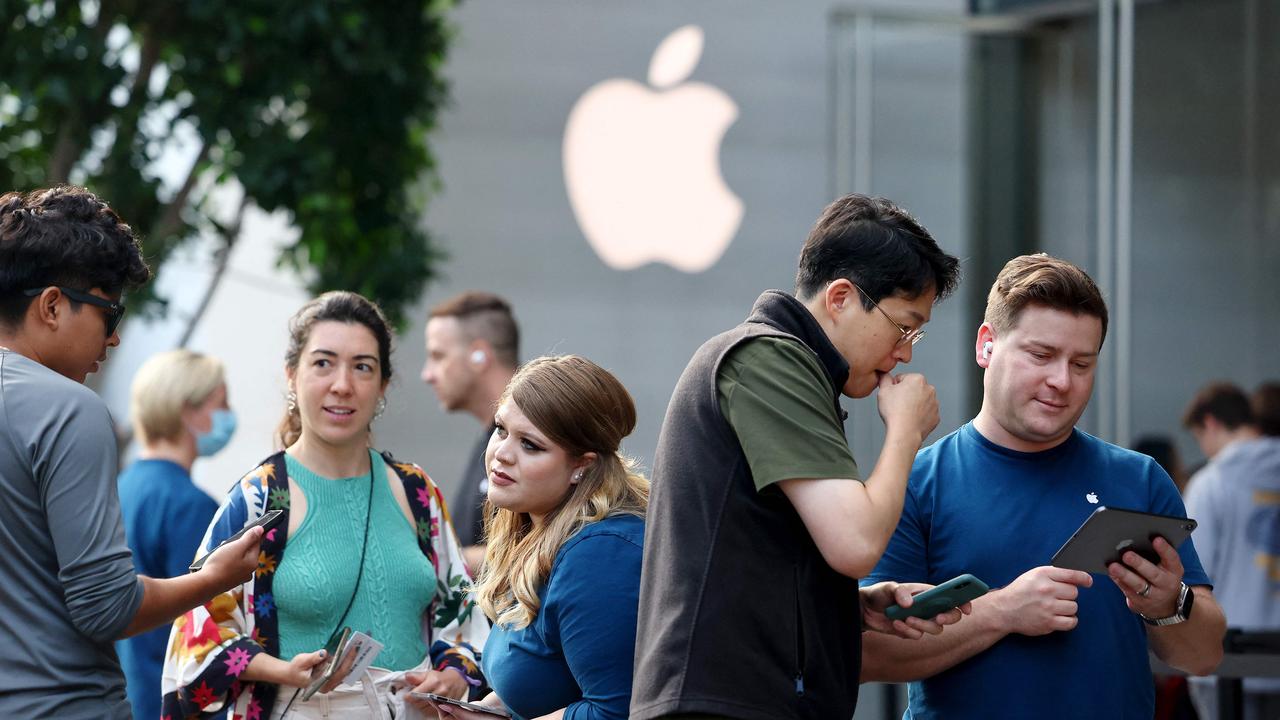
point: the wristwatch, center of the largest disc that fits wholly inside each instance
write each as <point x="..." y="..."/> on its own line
<point x="1180" y="615"/>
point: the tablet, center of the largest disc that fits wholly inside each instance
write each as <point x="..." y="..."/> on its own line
<point x="1108" y="532"/>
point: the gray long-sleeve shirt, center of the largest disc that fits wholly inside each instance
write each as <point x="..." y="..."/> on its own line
<point x="67" y="581"/>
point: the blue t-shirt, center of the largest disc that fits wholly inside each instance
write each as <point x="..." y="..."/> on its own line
<point x="165" y="518"/>
<point x="577" y="653"/>
<point x="975" y="507"/>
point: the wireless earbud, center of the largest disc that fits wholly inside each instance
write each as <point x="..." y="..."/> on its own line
<point x="986" y="350"/>
<point x="477" y="357"/>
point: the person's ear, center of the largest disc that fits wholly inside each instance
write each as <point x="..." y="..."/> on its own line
<point x="190" y="416"/>
<point x="45" y="307"/>
<point x="984" y="346"/>
<point x="839" y="295"/>
<point x="580" y="467"/>
<point x="480" y="354"/>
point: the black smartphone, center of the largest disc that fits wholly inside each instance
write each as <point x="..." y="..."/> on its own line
<point x="268" y="520"/>
<point x="937" y="600"/>
<point x="459" y="703"/>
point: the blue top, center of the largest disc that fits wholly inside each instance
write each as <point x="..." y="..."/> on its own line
<point x="165" y="517"/>
<point x="975" y="507"/>
<point x="577" y="653"/>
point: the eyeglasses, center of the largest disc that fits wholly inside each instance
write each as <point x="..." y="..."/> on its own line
<point x="115" y="310"/>
<point x="909" y="337"/>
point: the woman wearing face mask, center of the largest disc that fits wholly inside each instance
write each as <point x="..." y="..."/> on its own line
<point x="565" y="530"/>
<point x="178" y="406"/>
<point x="364" y="544"/>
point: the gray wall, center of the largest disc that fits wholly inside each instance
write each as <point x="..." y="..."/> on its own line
<point x="1206" y="194"/>
<point x="505" y="218"/>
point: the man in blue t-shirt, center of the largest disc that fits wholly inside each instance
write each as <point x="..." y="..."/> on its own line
<point x="997" y="497"/>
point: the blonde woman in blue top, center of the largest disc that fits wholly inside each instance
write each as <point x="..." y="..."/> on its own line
<point x="179" y="411"/>
<point x="365" y="543"/>
<point x="565" y="532"/>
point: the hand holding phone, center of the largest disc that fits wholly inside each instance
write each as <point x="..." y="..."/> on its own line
<point x="935" y="601"/>
<point x="473" y="707"/>
<point x="268" y="520"/>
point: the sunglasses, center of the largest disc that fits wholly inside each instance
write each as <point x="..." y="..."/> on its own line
<point x="114" y="310"/>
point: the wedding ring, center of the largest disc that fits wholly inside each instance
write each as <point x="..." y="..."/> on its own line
<point x="1143" y="592"/>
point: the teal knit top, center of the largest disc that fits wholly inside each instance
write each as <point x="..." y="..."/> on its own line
<point x="317" y="574"/>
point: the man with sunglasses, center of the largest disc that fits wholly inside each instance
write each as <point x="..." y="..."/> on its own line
<point x="66" y="573"/>
<point x="759" y="521"/>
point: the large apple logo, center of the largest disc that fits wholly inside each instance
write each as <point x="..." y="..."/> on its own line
<point x="642" y="166"/>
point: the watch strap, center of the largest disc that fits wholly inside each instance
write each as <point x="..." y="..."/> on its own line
<point x="1180" y="615"/>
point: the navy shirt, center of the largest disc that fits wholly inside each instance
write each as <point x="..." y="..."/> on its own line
<point x="975" y="507"/>
<point x="577" y="653"/>
<point x="165" y="518"/>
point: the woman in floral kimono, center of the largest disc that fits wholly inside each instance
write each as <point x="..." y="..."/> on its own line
<point x="369" y="547"/>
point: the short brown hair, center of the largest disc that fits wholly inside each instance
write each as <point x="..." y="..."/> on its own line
<point x="485" y="316"/>
<point x="1045" y="280"/>
<point x="1265" y="404"/>
<point x="1222" y="400"/>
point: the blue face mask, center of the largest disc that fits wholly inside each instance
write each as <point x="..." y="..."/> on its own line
<point x="220" y="432"/>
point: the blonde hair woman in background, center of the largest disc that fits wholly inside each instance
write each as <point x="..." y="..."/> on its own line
<point x="565" y="530"/>
<point x="179" y="411"/>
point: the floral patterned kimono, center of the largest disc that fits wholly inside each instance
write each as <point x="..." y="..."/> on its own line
<point x="211" y="645"/>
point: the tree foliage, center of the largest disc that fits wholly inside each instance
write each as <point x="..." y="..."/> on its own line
<point x="317" y="107"/>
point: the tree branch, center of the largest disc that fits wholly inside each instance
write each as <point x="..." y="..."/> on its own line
<point x="230" y="235"/>
<point x="171" y="219"/>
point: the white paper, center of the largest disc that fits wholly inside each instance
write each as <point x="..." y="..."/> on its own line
<point x="363" y="649"/>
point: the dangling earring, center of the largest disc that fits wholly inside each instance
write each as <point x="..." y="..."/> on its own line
<point x="381" y="407"/>
<point x="292" y="399"/>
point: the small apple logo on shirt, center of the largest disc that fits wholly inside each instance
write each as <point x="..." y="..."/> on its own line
<point x="1092" y="497"/>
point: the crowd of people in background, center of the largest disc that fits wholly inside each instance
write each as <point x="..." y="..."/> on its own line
<point x="750" y="576"/>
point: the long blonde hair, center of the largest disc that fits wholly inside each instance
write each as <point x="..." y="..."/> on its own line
<point x="582" y="408"/>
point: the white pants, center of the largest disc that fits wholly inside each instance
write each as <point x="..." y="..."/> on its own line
<point x="379" y="695"/>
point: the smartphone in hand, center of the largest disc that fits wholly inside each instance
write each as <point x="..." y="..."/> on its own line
<point x="937" y="600"/>
<point x="268" y="520"/>
<point x="473" y="707"/>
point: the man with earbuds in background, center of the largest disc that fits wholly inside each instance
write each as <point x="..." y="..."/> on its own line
<point x="473" y="350"/>
<point x="999" y="496"/>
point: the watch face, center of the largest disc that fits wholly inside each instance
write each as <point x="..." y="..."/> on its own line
<point x="1185" y="600"/>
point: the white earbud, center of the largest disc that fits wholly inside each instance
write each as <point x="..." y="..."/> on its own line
<point x="477" y="357"/>
<point x="986" y="350"/>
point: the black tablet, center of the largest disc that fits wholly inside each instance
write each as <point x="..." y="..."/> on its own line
<point x="1108" y="532"/>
